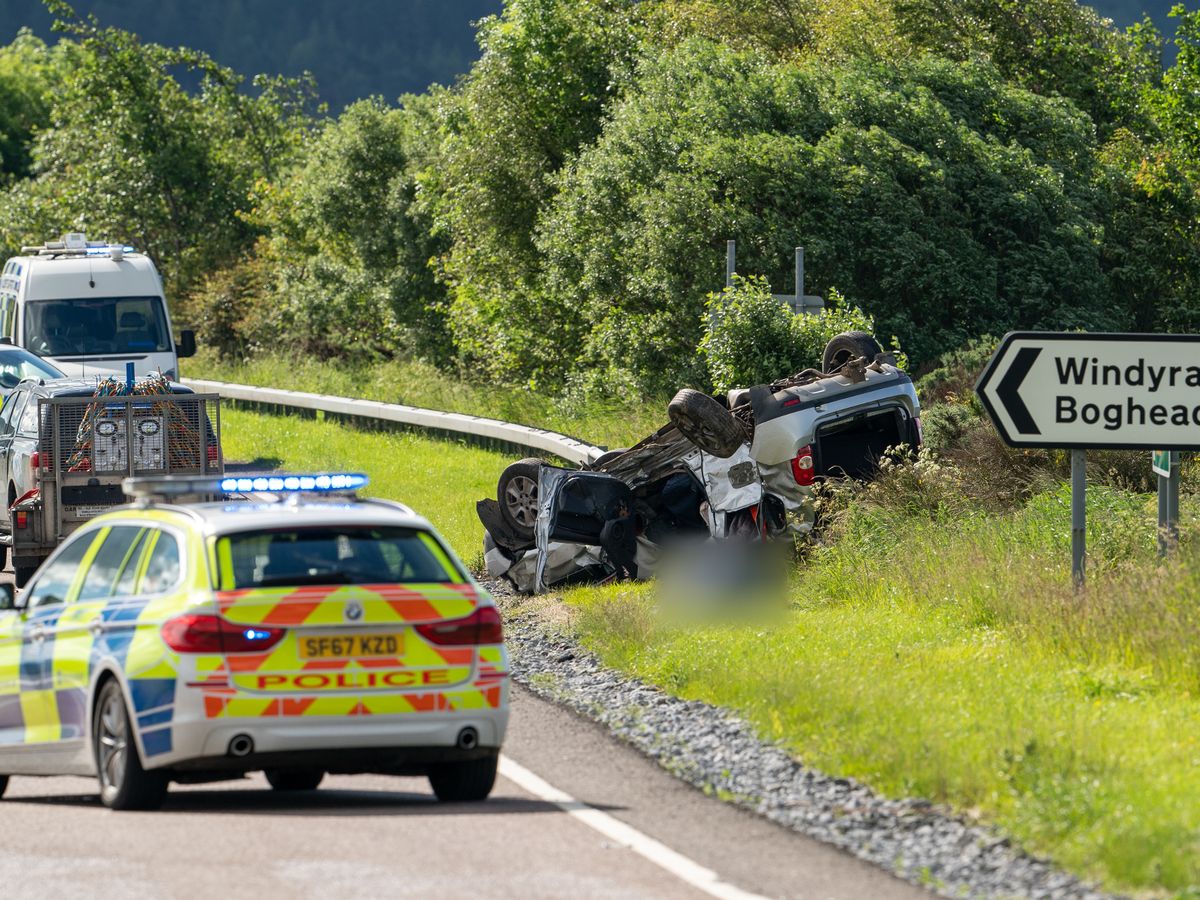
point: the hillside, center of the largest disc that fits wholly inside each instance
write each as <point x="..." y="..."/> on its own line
<point x="354" y="47"/>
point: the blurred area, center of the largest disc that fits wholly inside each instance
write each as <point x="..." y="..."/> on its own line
<point x="707" y="582"/>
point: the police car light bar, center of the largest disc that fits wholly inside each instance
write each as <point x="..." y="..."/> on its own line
<point x="177" y="486"/>
<point x="274" y="484"/>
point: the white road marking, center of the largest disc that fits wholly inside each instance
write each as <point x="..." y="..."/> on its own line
<point x="661" y="855"/>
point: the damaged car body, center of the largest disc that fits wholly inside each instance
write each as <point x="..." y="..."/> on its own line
<point x="736" y="467"/>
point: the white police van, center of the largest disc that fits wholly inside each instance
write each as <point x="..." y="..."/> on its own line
<point x="90" y="309"/>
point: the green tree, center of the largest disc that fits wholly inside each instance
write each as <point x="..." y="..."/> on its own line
<point x="549" y="70"/>
<point x="944" y="201"/>
<point x="129" y="154"/>
<point x="29" y="72"/>
<point x="349" y="248"/>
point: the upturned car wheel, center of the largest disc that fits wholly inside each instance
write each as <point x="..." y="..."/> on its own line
<point x="124" y="783"/>
<point x="847" y="346"/>
<point x="706" y="423"/>
<point x="464" y="782"/>
<point x="517" y="493"/>
<point x="294" y="779"/>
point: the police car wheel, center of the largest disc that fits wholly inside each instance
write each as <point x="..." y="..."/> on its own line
<point x="124" y="784"/>
<point x="294" y="779"/>
<point x="464" y="782"/>
<point x="3" y="784"/>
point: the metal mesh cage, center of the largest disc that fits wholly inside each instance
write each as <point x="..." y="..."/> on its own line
<point x="130" y="435"/>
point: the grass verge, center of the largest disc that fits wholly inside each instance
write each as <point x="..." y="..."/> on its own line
<point x="947" y="657"/>
<point x="619" y="422"/>
<point x="439" y="479"/>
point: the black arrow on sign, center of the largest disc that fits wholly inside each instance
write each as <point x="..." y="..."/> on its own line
<point x="1006" y="391"/>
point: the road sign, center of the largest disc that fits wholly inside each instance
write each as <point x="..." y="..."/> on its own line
<point x="1160" y="463"/>
<point x="1084" y="391"/>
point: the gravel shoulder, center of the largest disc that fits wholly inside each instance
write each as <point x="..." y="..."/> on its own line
<point x="718" y="753"/>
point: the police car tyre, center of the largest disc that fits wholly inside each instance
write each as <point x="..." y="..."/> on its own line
<point x="294" y="779"/>
<point x="124" y="784"/>
<point x="517" y="492"/>
<point x="464" y="782"/>
<point x="3" y="784"/>
<point x="706" y="423"/>
<point x="847" y="346"/>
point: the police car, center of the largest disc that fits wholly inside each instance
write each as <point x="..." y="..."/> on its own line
<point x="291" y="633"/>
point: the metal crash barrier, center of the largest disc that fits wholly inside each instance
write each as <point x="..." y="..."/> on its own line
<point x="479" y="428"/>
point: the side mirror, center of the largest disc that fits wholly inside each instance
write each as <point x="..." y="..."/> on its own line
<point x="187" y="344"/>
<point x="8" y="598"/>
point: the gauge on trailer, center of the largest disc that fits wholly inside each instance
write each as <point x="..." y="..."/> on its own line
<point x="106" y="429"/>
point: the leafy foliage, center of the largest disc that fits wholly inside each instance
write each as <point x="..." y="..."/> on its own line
<point x="941" y="199"/>
<point x="549" y="70"/>
<point x="751" y="338"/>
<point x="28" y="71"/>
<point x="130" y="155"/>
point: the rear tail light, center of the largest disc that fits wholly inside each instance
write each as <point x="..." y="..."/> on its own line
<point x="35" y="460"/>
<point x="212" y="453"/>
<point x="481" y="627"/>
<point x="212" y="634"/>
<point x="802" y="466"/>
<point x="21" y="520"/>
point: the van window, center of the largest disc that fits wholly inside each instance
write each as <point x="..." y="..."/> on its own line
<point x="101" y="325"/>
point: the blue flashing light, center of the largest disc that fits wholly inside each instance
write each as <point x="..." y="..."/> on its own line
<point x="278" y="484"/>
<point x="256" y="634"/>
<point x="105" y="250"/>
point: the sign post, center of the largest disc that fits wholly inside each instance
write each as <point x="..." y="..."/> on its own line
<point x="1166" y="467"/>
<point x="1077" y="392"/>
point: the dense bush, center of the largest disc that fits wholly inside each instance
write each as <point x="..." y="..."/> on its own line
<point x="751" y="338"/>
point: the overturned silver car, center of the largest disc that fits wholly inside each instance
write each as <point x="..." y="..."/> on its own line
<point x="739" y="466"/>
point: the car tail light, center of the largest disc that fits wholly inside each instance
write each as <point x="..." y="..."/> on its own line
<point x="481" y="627"/>
<point x="21" y="519"/>
<point x="35" y="460"/>
<point x="212" y="453"/>
<point x="802" y="466"/>
<point x="212" y="634"/>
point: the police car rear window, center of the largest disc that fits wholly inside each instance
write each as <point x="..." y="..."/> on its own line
<point x="332" y="555"/>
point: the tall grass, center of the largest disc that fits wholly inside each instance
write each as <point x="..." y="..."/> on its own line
<point x="616" y="422"/>
<point x="938" y="652"/>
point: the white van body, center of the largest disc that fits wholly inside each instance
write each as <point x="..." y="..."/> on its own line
<point x="90" y="309"/>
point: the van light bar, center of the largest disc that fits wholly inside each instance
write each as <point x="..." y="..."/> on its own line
<point x="325" y="482"/>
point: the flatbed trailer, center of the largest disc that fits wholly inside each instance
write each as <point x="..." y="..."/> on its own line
<point x="87" y="446"/>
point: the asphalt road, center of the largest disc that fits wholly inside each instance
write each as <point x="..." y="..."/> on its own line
<point x="369" y="836"/>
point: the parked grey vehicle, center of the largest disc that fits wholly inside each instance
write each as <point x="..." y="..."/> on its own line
<point x="17" y="364"/>
<point x="741" y="465"/>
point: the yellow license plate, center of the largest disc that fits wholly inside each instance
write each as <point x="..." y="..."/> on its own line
<point x="351" y="646"/>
